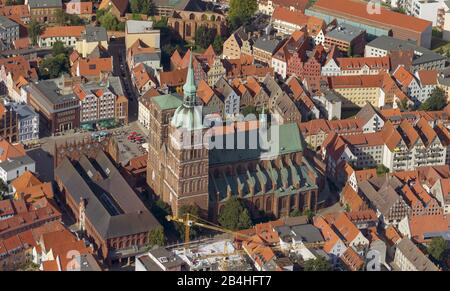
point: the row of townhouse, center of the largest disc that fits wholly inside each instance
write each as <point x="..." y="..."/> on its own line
<point x="419" y="85"/>
<point x="399" y="195"/>
<point x="83" y="38"/>
<point x="356" y="66"/>
<point x="403" y="147"/>
<point x="357" y="90"/>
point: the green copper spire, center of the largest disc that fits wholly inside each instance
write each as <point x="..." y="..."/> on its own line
<point x="190" y="90"/>
<point x="188" y="115"/>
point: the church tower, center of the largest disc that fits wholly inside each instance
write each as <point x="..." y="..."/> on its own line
<point x="187" y="159"/>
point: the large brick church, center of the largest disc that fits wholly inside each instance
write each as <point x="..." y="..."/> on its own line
<point x="273" y="183"/>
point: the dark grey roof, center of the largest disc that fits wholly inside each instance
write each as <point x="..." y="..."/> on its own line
<point x="88" y="263"/>
<point x="190" y="5"/>
<point x="95" y="33"/>
<point x="345" y="32"/>
<point x="49" y="93"/>
<point x="421" y="54"/>
<point x="24" y="111"/>
<point x="267" y="44"/>
<point x="145" y="57"/>
<point x="44" y="3"/>
<point x="14" y="163"/>
<point x="166" y="258"/>
<point x="367" y="112"/>
<point x="415" y="256"/>
<point x="112" y="206"/>
<point x="5" y="22"/>
<point x="307" y="233"/>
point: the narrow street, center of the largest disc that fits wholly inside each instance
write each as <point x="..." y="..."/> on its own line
<point x="117" y="50"/>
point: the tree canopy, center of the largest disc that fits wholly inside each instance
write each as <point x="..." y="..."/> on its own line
<point x="34" y="30"/>
<point x="156" y="237"/>
<point x="242" y="10"/>
<point x="437" y="248"/>
<point x="205" y="36"/>
<point x="235" y="215"/>
<point x="146" y="7"/>
<point x="436" y="101"/>
<point x="319" y="264"/>
<point x="191" y="209"/>
<point x="53" y="66"/>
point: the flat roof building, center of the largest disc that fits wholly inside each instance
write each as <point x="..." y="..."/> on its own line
<point x="375" y="22"/>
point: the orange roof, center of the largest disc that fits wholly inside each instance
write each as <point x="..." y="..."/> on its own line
<point x="50" y="266"/>
<point x="63" y="243"/>
<point x="204" y="92"/>
<point x="392" y="234"/>
<point x="352" y="199"/>
<point x="8" y="150"/>
<point x="403" y="76"/>
<point x="357" y="81"/>
<point x="357" y="10"/>
<point x="364" y="139"/>
<point x="92" y="67"/>
<point x="352" y="260"/>
<point x="15" y="11"/>
<point x="365" y="174"/>
<point x="359" y="62"/>
<point x="427" y="132"/>
<point x="141" y="76"/>
<point x="330" y="236"/>
<point x="19" y="66"/>
<point x="344" y="225"/>
<point x="408" y="133"/>
<point x="173" y="78"/>
<point x="422" y="224"/>
<point x="27" y="179"/>
<point x="390" y="135"/>
<point x="298" y="18"/>
<point x="427" y="77"/>
<point x="62" y="31"/>
<point x="34" y="193"/>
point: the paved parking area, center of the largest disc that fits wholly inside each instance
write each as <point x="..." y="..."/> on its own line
<point x="128" y="149"/>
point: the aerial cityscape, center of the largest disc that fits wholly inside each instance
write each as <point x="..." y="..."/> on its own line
<point x="224" y="135"/>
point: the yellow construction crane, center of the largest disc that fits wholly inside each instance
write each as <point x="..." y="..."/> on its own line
<point x="191" y="220"/>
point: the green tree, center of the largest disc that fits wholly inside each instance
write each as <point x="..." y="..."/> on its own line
<point x="382" y="169"/>
<point x="436" y="101"/>
<point x="146" y="7"/>
<point x="347" y="208"/>
<point x="308" y="213"/>
<point x="34" y="30"/>
<point x="403" y="104"/>
<point x="135" y="6"/>
<point x="242" y="9"/>
<point x="156" y="237"/>
<point x="437" y="248"/>
<point x="191" y="209"/>
<point x="235" y="215"/>
<point x="58" y="48"/>
<point x="218" y="44"/>
<point x="204" y="36"/>
<point x="295" y="213"/>
<point x="109" y="21"/>
<point x="319" y="264"/>
<point x="53" y="67"/>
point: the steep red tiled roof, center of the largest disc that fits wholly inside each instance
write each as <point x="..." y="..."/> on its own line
<point x="359" y="62"/>
<point x="62" y="31"/>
